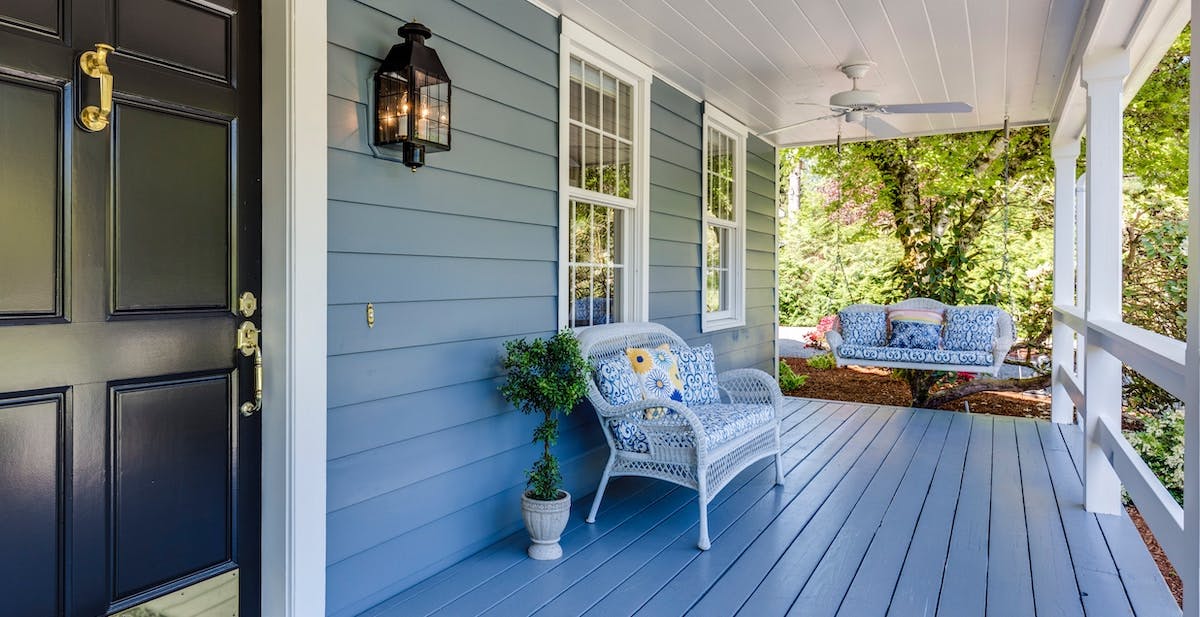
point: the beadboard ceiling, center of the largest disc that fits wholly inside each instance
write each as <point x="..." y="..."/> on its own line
<point x="755" y="59"/>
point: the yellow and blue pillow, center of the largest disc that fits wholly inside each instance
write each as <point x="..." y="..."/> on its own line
<point x="915" y="328"/>
<point x="657" y="371"/>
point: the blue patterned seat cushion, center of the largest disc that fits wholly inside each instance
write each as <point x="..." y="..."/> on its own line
<point x="925" y="356"/>
<point x="970" y="329"/>
<point x="698" y="370"/>
<point x="864" y="327"/>
<point x="722" y="423"/>
<point x="617" y="382"/>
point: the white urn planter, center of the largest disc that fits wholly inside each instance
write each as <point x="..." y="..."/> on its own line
<point x="545" y="521"/>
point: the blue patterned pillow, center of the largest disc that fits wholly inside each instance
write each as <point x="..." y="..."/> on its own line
<point x="617" y="382"/>
<point x="971" y="329"/>
<point x="915" y="334"/>
<point x="866" y="328"/>
<point x="698" y="370"/>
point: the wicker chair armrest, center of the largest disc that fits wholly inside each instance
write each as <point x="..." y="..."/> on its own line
<point x="748" y="385"/>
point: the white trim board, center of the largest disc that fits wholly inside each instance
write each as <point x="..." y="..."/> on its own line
<point x="294" y="203"/>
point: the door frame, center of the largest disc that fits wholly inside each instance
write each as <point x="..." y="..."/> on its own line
<point x="294" y="290"/>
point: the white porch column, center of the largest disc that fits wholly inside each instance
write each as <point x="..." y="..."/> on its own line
<point x="1190" y="572"/>
<point x="1103" y="76"/>
<point x="1081" y="278"/>
<point x="1065" y="155"/>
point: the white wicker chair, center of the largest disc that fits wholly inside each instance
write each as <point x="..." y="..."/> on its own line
<point x="677" y="445"/>
<point x="1003" y="342"/>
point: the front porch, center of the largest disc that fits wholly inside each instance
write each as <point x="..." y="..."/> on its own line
<point x="886" y="510"/>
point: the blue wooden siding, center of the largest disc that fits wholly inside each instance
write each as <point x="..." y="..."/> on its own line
<point x="676" y="210"/>
<point x="425" y="459"/>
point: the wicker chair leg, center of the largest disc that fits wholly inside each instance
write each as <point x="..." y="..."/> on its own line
<point x="600" y="490"/>
<point x="703" y="544"/>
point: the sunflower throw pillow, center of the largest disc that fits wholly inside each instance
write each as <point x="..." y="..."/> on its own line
<point x="657" y="370"/>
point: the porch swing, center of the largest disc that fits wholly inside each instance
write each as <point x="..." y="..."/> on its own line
<point x="922" y="333"/>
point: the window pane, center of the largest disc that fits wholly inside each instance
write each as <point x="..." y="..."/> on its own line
<point x="625" y="110"/>
<point x="576" y="102"/>
<point x="591" y="96"/>
<point x="609" y="106"/>
<point x="591" y="161"/>
<point x="575" y="154"/>
<point x="609" y="184"/>
<point x="712" y="292"/>
<point x="581" y="232"/>
<point x="624" y="170"/>
<point x="713" y="247"/>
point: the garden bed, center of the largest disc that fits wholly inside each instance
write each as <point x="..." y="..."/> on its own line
<point x="876" y="385"/>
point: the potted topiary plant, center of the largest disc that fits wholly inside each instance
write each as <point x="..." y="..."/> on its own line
<point x="547" y="377"/>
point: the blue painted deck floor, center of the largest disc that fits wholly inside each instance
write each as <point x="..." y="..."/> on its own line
<point x="886" y="511"/>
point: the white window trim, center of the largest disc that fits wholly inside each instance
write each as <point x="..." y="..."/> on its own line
<point x="577" y="41"/>
<point x="735" y="316"/>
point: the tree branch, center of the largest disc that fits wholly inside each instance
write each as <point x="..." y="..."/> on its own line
<point x="975" y="386"/>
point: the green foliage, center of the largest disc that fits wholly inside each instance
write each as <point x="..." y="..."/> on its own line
<point x="546" y="376"/>
<point x="822" y="362"/>
<point x="789" y="381"/>
<point x="1160" y="444"/>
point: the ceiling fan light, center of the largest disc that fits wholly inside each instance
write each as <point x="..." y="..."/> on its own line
<point x="854" y="115"/>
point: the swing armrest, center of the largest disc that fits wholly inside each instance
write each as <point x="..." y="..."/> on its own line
<point x="833" y="338"/>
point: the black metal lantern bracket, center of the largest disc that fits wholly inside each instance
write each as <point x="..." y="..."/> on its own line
<point x="409" y="103"/>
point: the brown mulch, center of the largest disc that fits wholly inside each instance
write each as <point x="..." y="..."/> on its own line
<point x="877" y="386"/>
<point x="1160" y="557"/>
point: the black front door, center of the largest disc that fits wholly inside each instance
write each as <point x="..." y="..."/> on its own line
<point x="128" y="472"/>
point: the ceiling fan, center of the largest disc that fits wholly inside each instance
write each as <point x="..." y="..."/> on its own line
<point x="863" y="106"/>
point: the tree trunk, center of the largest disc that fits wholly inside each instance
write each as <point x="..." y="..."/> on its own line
<point x="976" y="386"/>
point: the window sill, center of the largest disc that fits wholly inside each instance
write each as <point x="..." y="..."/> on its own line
<point x="713" y="324"/>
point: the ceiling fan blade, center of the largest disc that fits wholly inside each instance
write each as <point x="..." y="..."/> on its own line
<point x="953" y="107"/>
<point x="880" y="127"/>
<point x="796" y="124"/>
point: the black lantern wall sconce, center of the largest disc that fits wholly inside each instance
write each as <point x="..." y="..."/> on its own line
<point x="412" y="99"/>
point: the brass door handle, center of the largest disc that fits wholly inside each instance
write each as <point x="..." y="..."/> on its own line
<point x="95" y="64"/>
<point x="248" y="344"/>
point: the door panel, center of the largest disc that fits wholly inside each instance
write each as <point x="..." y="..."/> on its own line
<point x="38" y="15"/>
<point x="31" y="457"/>
<point x="172" y="480"/>
<point x="121" y="251"/>
<point x="172" y="212"/>
<point x="177" y="33"/>
<point x="30" y="146"/>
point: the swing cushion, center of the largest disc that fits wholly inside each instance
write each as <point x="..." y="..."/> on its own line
<point x="916" y="356"/>
<point x="866" y="328"/>
<point x="915" y="328"/>
<point x="970" y="329"/>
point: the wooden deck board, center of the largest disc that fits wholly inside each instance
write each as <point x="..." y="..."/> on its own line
<point x="885" y="510"/>
<point x="964" y="584"/>
<point x="911" y="564"/>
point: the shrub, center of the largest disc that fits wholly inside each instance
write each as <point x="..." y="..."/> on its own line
<point x="822" y="362"/>
<point x="545" y="376"/>
<point x="789" y="381"/>
<point x="1160" y="444"/>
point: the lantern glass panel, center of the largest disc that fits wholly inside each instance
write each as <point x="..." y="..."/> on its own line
<point x="392" y="108"/>
<point x="433" y="109"/>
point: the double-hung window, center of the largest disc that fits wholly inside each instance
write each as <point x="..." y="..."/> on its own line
<point x="724" y="280"/>
<point x="604" y="161"/>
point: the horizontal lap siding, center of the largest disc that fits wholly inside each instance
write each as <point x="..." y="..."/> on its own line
<point x="676" y="206"/>
<point x="425" y="459"/>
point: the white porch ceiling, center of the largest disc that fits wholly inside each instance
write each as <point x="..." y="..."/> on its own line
<point x="755" y="59"/>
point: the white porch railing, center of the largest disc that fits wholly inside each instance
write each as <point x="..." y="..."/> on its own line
<point x="1091" y="341"/>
